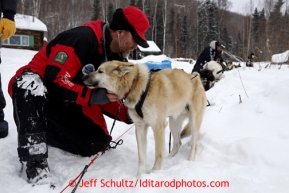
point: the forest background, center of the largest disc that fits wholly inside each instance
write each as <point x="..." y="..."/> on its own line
<point x="181" y="28"/>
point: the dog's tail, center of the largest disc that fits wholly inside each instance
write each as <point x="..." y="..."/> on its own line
<point x="186" y="131"/>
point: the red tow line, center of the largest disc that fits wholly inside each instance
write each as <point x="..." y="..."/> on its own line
<point x="72" y="182"/>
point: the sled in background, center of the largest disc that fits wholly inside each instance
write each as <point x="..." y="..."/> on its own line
<point x="279" y="59"/>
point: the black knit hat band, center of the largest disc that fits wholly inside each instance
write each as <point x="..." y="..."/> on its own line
<point x="120" y="22"/>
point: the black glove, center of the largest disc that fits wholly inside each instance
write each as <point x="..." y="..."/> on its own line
<point x="98" y="96"/>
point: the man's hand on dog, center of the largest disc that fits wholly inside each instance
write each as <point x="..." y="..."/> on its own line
<point x="102" y="96"/>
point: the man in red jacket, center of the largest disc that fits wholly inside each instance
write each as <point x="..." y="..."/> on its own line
<point x="52" y="105"/>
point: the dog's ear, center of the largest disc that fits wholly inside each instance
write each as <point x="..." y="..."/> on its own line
<point x="123" y="69"/>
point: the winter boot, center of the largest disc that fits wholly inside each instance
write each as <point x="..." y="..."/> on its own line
<point x="38" y="172"/>
<point x="3" y="129"/>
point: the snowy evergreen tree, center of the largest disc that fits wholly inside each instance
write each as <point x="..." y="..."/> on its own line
<point x="212" y="22"/>
<point x="139" y="4"/>
<point x="160" y="25"/>
<point x="132" y="2"/>
<point x="202" y="27"/>
<point x="171" y="34"/>
<point x="262" y="28"/>
<point x="147" y="10"/>
<point x="207" y="24"/>
<point x="184" y="36"/>
<point x="261" y="50"/>
<point x="275" y="26"/>
<point x="96" y="10"/>
<point x="110" y="11"/>
<point x="255" y="28"/>
<point x="224" y="35"/>
<point x="286" y="29"/>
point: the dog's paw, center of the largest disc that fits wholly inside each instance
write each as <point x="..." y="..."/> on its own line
<point x="140" y="172"/>
<point x="155" y="168"/>
<point x="173" y="153"/>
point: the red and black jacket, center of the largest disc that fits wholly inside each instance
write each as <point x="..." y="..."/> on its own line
<point x="60" y="66"/>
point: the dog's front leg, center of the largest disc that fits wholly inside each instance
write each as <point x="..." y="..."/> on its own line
<point x="159" y="135"/>
<point x="141" y="138"/>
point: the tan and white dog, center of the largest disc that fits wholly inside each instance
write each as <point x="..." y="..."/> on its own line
<point x="169" y="93"/>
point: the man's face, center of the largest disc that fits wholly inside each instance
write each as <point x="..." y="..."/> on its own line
<point x="219" y="49"/>
<point x="127" y="43"/>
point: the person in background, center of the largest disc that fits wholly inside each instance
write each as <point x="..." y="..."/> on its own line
<point x="218" y="57"/>
<point x="52" y="105"/>
<point x="211" y="52"/>
<point x="7" y="29"/>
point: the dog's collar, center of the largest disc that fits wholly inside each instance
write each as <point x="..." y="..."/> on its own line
<point x="126" y="94"/>
<point x="220" y="71"/>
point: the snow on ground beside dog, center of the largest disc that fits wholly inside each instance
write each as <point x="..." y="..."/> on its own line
<point x="244" y="144"/>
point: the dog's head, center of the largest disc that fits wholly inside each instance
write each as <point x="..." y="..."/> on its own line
<point x="230" y="65"/>
<point x="207" y="75"/>
<point x="110" y="75"/>
<point x="207" y="78"/>
<point x="251" y="56"/>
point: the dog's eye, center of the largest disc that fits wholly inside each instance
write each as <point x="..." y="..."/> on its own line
<point x="100" y="71"/>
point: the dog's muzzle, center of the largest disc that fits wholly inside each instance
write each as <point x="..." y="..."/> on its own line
<point x="89" y="82"/>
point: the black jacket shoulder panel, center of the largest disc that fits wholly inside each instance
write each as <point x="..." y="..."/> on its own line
<point x="85" y="45"/>
<point x="83" y="41"/>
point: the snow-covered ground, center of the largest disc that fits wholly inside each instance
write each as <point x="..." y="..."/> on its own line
<point x="243" y="147"/>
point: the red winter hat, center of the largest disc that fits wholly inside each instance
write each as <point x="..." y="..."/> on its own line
<point x="134" y="20"/>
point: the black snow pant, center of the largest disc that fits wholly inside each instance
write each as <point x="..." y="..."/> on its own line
<point x="2" y="102"/>
<point x="41" y="121"/>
